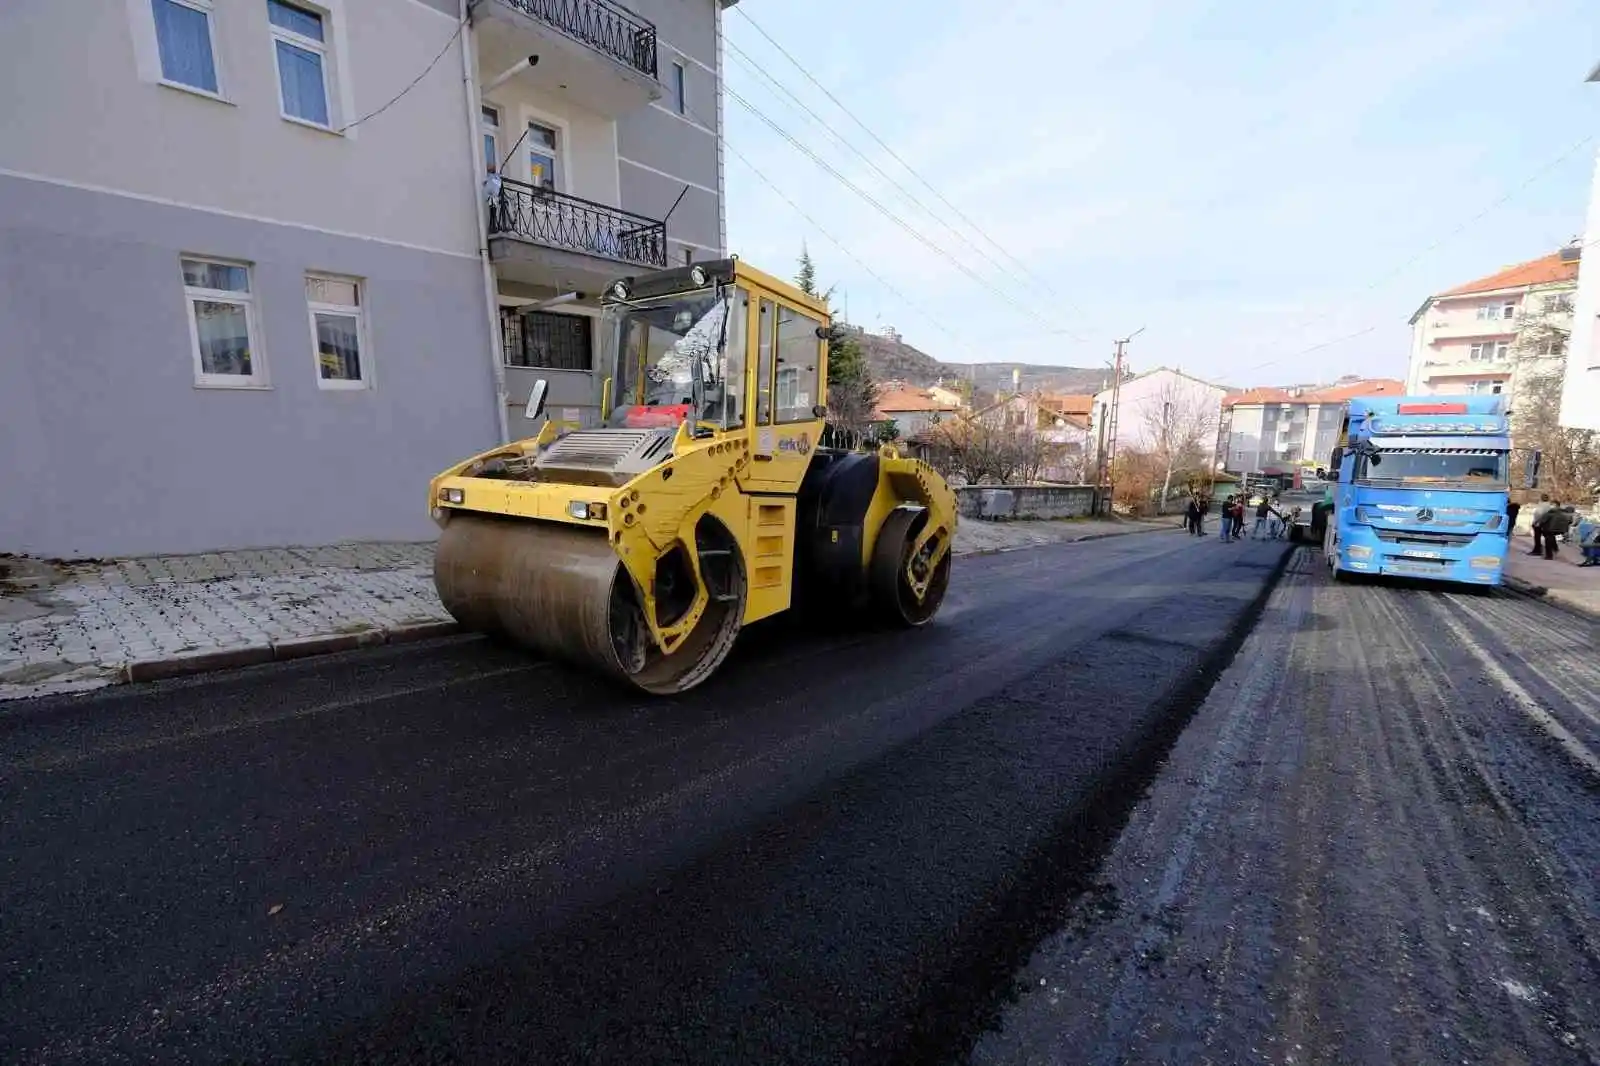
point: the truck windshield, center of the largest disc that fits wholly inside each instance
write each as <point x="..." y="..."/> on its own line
<point x="1485" y="470"/>
<point x="669" y="358"/>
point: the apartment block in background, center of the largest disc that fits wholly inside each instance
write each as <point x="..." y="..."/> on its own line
<point x="1472" y="338"/>
<point x="250" y="297"/>
<point x="1272" y="431"/>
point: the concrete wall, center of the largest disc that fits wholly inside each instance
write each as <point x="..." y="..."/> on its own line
<point x="1026" y="501"/>
<point x="109" y="446"/>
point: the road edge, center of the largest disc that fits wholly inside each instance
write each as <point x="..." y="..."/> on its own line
<point x="1063" y="867"/>
<point x="973" y="554"/>
<point x="1528" y="590"/>
<point x="190" y="663"/>
<point x="203" y="662"/>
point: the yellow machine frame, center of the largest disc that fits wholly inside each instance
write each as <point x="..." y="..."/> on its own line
<point x="748" y="478"/>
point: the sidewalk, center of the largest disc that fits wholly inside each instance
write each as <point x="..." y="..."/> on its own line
<point x="72" y="627"/>
<point x="1559" y="580"/>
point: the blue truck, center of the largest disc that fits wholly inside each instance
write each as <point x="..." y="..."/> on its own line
<point x="1419" y="487"/>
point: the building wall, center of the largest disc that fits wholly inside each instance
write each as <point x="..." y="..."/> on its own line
<point x="116" y="451"/>
<point x="1580" y="397"/>
<point x="98" y="116"/>
<point x="661" y="152"/>
<point x="1141" y="397"/>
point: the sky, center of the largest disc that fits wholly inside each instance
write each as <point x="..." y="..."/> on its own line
<point x="1267" y="189"/>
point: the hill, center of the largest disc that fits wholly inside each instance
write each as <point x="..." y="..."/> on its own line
<point x="891" y="359"/>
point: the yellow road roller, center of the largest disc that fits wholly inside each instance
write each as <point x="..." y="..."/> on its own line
<point x="704" y="499"/>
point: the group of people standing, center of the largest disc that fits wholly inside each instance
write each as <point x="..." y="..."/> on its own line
<point x="1553" y="521"/>
<point x="1270" y="522"/>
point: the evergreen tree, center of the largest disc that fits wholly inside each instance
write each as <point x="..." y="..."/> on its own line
<point x="852" y="394"/>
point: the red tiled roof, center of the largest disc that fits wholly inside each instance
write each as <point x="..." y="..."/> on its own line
<point x="892" y="400"/>
<point x="1332" y="394"/>
<point x="1067" y="403"/>
<point x="1367" y="387"/>
<point x="1539" y="271"/>
<point x="1258" y="396"/>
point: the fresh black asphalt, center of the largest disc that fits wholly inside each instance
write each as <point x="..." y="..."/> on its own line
<point x="839" y="850"/>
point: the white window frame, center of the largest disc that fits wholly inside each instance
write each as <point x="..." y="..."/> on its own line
<point x="308" y="44"/>
<point x="1508" y="310"/>
<point x="487" y="131"/>
<point x="257" y="378"/>
<point x="363" y="344"/>
<point x="563" y="180"/>
<point x="209" y="10"/>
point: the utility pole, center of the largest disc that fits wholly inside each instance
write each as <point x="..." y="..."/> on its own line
<point x="1110" y="451"/>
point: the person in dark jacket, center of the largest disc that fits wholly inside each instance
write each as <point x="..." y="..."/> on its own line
<point x="1556" y="523"/>
<point x="1191" y="516"/>
<point x="1512" y="510"/>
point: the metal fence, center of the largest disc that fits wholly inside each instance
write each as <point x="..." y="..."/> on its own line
<point x="558" y="220"/>
<point x="605" y="27"/>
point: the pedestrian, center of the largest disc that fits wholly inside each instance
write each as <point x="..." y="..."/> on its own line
<point x="1238" y="519"/>
<point x="1556" y="524"/>
<point x="1512" y="509"/>
<point x="1228" y="531"/>
<point x="1589" y="541"/>
<point x="1540" y="510"/>
<point x="1263" y="509"/>
<point x="1205" y="509"/>
<point x="1191" y="516"/>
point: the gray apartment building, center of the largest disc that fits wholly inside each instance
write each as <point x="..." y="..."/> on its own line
<point x="253" y="292"/>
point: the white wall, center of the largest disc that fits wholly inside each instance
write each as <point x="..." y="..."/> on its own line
<point x="97" y="116"/>
<point x="1141" y="398"/>
<point x="1580" y="399"/>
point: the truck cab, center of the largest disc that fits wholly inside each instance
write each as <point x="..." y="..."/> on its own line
<point x="1420" y="489"/>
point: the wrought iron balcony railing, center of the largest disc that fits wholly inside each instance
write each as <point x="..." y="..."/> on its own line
<point x="558" y="220"/>
<point x="606" y="27"/>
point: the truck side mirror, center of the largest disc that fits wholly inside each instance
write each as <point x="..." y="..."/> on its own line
<point x="1530" y="475"/>
<point x="1333" y="464"/>
<point x="535" y="406"/>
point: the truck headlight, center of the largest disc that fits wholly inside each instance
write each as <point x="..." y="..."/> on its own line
<point x="1358" y="551"/>
<point x="451" y="495"/>
<point x="582" y="510"/>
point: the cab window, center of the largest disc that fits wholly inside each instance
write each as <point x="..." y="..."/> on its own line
<point x="799" y="356"/>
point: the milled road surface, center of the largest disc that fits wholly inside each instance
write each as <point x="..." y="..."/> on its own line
<point x="838" y="850"/>
<point x="1378" y="842"/>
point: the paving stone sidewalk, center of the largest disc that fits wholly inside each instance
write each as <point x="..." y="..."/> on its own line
<point x="1560" y="580"/>
<point x="72" y="627"/>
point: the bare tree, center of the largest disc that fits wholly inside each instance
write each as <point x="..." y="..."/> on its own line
<point x="1570" y="468"/>
<point x="1179" y="424"/>
<point x="998" y="445"/>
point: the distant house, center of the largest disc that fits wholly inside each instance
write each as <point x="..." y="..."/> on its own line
<point x="1141" y="405"/>
<point x="911" y="410"/>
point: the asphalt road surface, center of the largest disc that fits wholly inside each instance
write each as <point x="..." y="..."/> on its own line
<point x="839" y="850"/>
<point x="1377" y="842"/>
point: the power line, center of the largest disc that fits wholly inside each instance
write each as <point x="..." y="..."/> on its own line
<point x="461" y="25"/>
<point x="892" y="153"/>
<point x="1511" y="194"/>
<point x="749" y="64"/>
<point x="915" y="233"/>
<point x="839" y="244"/>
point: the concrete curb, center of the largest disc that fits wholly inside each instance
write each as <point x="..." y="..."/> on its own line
<point x="1528" y="590"/>
<point x="204" y="662"/>
<point x="1051" y="543"/>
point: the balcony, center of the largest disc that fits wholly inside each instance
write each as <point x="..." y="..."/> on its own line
<point x="544" y="237"/>
<point x="1463" y="328"/>
<point x="594" y="53"/>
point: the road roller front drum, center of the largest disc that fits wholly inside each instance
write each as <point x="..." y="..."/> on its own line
<point x="561" y="590"/>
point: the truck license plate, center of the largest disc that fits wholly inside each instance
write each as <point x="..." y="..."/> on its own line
<point x="1415" y="554"/>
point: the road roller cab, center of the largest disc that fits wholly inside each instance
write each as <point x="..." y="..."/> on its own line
<point x="701" y="501"/>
